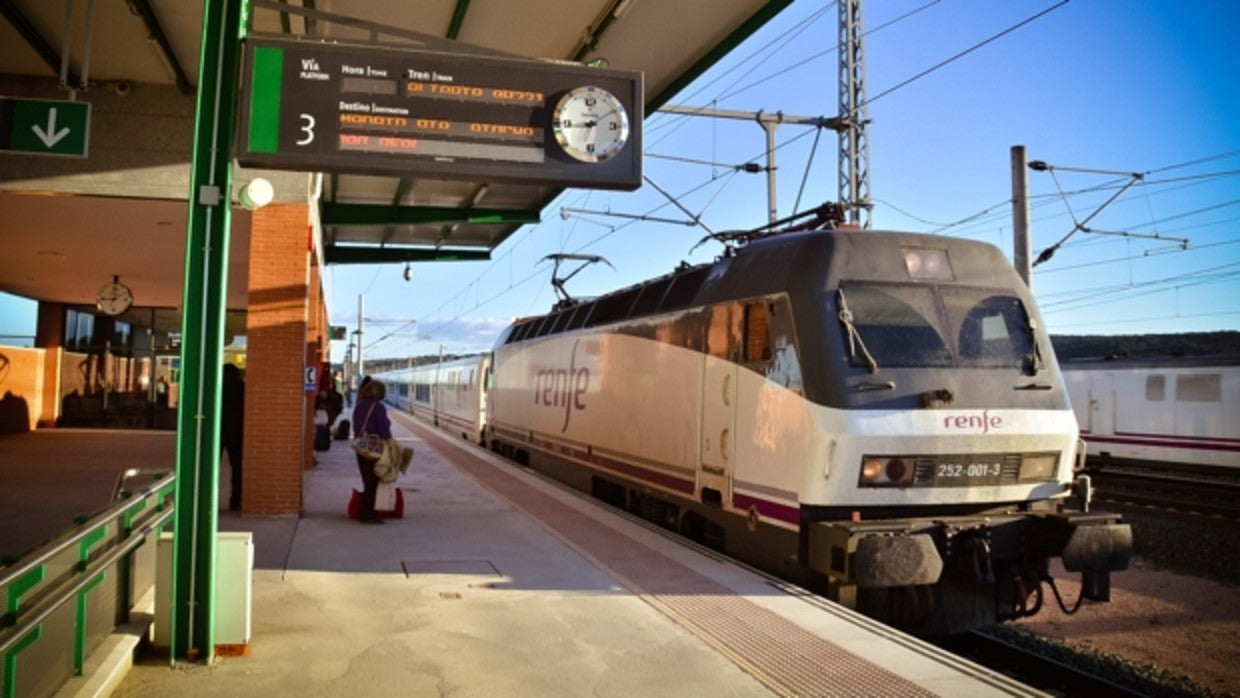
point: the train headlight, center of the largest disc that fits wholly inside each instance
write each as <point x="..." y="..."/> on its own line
<point x="1038" y="467"/>
<point x="871" y="470"/>
<point x="927" y="264"/>
<point x="886" y="471"/>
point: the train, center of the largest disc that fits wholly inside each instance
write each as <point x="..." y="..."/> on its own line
<point x="876" y="416"/>
<point x="448" y="393"/>
<point x="1169" y="412"/>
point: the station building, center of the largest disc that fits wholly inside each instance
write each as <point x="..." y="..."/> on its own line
<point x="76" y="226"/>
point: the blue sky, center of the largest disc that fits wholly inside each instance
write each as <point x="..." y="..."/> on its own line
<point x="1112" y="86"/>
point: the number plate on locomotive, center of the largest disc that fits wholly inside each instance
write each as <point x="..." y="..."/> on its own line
<point x="965" y="471"/>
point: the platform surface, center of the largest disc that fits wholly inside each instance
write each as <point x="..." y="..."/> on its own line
<point x="499" y="583"/>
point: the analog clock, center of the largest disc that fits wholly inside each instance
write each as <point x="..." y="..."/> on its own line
<point x="114" y="298"/>
<point x="590" y="124"/>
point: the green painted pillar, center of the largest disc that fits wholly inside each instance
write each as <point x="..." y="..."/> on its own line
<point x="202" y="336"/>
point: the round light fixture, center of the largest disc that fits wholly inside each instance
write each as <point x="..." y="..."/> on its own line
<point x="256" y="194"/>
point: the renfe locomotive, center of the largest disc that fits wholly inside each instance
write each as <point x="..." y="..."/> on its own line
<point x="876" y="416"/>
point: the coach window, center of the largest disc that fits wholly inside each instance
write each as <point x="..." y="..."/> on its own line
<point x="1156" y="387"/>
<point x="1199" y="387"/>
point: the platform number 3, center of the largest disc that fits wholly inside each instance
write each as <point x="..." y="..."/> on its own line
<point x="307" y="127"/>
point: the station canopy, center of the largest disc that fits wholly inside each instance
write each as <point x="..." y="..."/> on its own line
<point x="364" y="217"/>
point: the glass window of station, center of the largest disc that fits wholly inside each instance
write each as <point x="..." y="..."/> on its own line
<point x="125" y="371"/>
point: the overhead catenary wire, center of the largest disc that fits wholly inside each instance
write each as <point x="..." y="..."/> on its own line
<point x="982" y="222"/>
<point x="962" y="54"/>
<point x="803" y="25"/>
<point x="998" y="209"/>
<point x="1107" y="294"/>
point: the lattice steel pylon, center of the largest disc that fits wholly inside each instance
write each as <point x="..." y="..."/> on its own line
<point x="854" y="160"/>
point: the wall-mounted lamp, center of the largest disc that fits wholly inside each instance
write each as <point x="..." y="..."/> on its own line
<point x="408" y="272"/>
<point x="256" y="194"/>
<point x="622" y="8"/>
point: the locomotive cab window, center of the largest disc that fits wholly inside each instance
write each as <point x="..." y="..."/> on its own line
<point x="896" y="324"/>
<point x="994" y="330"/>
<point x="928" y="325"/>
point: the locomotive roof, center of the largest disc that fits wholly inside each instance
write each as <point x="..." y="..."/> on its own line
<point x="771" y="263"/>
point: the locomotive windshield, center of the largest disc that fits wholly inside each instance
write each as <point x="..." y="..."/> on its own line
<point x="922" y="325"/>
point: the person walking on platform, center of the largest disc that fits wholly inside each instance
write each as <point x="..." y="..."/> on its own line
<point x="232" y="423"/>
<point x="370" y="417"/>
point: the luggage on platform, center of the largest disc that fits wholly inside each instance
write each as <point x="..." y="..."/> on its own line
<point x="322" y="437"/>
<point x="389" y="502"/>
<point x="342" y="430"/>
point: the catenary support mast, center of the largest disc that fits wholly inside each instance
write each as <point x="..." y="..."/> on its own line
<point x="854" y="160"/>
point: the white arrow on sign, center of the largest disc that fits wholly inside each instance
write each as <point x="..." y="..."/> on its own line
<point x="51" y="136"/>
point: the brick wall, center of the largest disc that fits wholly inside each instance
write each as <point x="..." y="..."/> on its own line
<point x="316" y="352"/>
<point x="276" y="414"/>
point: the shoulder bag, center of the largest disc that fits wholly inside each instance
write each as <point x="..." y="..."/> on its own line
<point x="367" y="445"/>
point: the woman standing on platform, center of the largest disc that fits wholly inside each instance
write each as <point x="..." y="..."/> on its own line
<point x="370" y="417"/>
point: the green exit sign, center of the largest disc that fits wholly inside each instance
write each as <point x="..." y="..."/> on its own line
<point x="44" y="127"/>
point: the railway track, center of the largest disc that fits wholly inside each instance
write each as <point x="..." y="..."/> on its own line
<point x="1193" y="494"/>
<point x="1037" y="668"/>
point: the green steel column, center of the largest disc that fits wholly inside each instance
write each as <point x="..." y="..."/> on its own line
<point x="202" y="334"/>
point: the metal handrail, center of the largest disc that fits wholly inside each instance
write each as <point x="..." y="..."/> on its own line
<point x="141" y="513"/>
<point x="58" y="545"/>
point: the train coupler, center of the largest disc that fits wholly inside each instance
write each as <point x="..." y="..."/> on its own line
<point x="874" y="558"/>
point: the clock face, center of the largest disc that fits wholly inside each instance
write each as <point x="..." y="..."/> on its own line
<point x="114" y="298"/>
<point x="590" y="124"/>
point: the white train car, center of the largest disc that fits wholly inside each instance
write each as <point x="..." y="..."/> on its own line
<point x="875" y="415"/>
<point x="1166" y="412"/>
<point x="450" y="394"/>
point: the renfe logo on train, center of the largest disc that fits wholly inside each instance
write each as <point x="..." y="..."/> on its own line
<point x="558" y="387"/>
<point x="969" y="422"/>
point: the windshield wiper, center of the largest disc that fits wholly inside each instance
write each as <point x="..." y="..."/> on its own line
<point x="854" y="337"/>
<point x="866" y="386"/>
<point x="1033" y="360"/>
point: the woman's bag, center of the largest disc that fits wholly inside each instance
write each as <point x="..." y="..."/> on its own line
<point x="369" y="446"/>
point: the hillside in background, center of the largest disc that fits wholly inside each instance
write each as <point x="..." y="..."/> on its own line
<point x="1096" y="346"/>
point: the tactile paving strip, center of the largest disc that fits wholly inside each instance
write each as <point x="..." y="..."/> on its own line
<point x="787" y="658"/>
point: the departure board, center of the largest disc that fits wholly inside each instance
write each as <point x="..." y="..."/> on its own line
<point x="325" y="107"/>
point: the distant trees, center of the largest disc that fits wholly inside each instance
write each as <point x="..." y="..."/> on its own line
<point x="1145" y="345"/>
